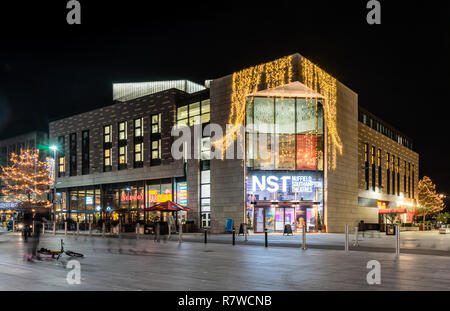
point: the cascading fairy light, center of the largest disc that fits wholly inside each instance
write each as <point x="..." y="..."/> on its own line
<point x="245" y="82"/>
<point x="320" y="81"/>
<point x="26" y="178"/>
<point x="275" y="74"/>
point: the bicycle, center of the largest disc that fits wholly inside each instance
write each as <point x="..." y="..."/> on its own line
<point x="58" y="253"/>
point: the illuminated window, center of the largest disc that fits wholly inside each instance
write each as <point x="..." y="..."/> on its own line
<point x="366" y="164"/>
<point x="205" y="197"/>
<point x="122" y="144"/>
<point x="138" y="127"/>
<point x="138" y="142"/>
<point x="61" y="156"/>
<point x="156" y="123"/>
<point x="373" y="168"/>
<point x="107" y="163"/>
<point x="397" y="170"/>
<point x="156" y="149"/>
<point x="123" y="130"/>
<point x="388" y="174"/>
<point x="138" y="154"/>
<point x="393" y="173"/>
<point x="123" y="155"/>
<point x="107" y="132"/>
<point x="194" y="113"/>
<point x="380" y="179"/>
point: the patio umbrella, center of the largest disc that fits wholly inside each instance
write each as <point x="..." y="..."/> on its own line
<point x="168" y="206"/>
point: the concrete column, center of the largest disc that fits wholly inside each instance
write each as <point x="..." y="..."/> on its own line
<point x="65" y="228"/>
<point x="54" y="227"/>
<point x="90" y="228"/>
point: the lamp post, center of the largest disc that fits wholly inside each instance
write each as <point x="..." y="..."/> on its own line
<point x="54" y="148"/>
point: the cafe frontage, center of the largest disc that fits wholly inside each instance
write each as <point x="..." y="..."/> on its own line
<point x="125" y="203"/>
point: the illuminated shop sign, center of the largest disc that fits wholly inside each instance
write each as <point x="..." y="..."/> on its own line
<point x="182" y="193"/>
<point x="284" y="185"/>
<point x="5" y="205"/>
<point x="132" y="197"/>
<point x="274" y="183"/>
<point x="89" y="200"/>
<point x="154" y="197"/>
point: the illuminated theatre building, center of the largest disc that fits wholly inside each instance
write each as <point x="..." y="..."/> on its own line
<point x="326" y="162"/>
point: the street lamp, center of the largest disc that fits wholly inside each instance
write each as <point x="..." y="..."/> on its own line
<point x="54" y="148"/>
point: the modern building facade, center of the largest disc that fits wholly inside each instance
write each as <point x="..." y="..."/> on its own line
<point x="116" y="161"/>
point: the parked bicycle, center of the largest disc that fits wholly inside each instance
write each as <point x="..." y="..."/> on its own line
<point x="58" y="253"/>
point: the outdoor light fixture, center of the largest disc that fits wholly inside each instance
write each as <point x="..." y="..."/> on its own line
<point x="53" y="147"/>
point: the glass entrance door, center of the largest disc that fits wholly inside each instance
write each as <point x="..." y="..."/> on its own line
<point x="259" y="219"/>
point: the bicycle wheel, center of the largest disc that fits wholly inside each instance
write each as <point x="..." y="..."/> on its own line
<point x="73" y="254"/>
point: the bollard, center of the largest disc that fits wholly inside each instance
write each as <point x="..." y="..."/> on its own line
<point x="14" y="226"/>
<point x="138" y="230"/>
<point x="43" y="228"/>
<point x="54" y="228"/>
<point x="33" y="228"/>
<point x="206" y="235"/>
<point x="234" y="239"/>
<point x="90" y="229"/>
<point x="120" y="229"/>
<point x="355" y="243"/>
<point x="397" y="240"/>
<point x="78" y="228"/>
<point x="158" y="231"/>
<point x="111" y="229"/>
<point x="346" y="238"/>
<point x="65" y="228"/>
<point x="103" y="230"/>
<point x="245" y="233"/>
<point x="304" y="237"/>
<point x="266" y="243"/>
<point x="180" y="233"/>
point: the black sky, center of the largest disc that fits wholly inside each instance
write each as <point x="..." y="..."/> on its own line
<point x="400" y="69"/>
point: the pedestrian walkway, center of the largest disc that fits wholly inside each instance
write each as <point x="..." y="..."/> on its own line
<point x="411" y="242"/>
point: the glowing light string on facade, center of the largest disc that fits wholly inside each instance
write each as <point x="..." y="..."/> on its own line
<point x="321" y="82"/>
<point x="278" y="73"/>
<point x="247" y="81"/>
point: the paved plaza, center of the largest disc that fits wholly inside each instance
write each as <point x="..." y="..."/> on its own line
<point x="129" y="264"/>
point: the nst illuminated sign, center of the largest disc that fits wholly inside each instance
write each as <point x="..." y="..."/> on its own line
<point x="274" y="183"/>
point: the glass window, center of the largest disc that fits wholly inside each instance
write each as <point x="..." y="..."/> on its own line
<point x="263" y="114"/>
<point x="123" y="155"/>
<point x="107" y="131"/>
<point x="306" y="115"/>
<point x="138" y="149"/>
<point x="156" y="149"/>
<point x="156" y="123"/>
<point x="194" y="109"/>
<point x="123" y="130"/>
<point x="138" y="129"/>
<point x="285" y="115"/>
<point x="182" y="112"/>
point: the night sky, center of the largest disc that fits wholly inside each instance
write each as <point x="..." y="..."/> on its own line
<point x="400" y="69"/>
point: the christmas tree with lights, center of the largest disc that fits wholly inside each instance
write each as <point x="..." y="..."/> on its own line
<point x="430" y="202"/>
<point x="27" y="179"/>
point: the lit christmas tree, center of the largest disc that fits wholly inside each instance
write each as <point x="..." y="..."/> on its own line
<point x="430" y="202"/>
<point x="27" y="179"/>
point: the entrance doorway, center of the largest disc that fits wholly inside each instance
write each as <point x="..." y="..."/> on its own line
<point x="259" y="219"/>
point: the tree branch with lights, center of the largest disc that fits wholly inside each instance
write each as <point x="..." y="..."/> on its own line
<point x="27" y="179"/>
<point x="430" y="202"/>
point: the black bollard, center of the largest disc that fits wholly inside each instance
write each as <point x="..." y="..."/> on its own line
<point x="234" y="232"/>
<point x="266" y="244"/>
<point x="206" y="235"/>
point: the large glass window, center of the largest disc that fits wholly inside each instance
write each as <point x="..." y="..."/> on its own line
<point x="194" y="113"/>
<point x="284" y="134"/>
<point x="61" y="156"/>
